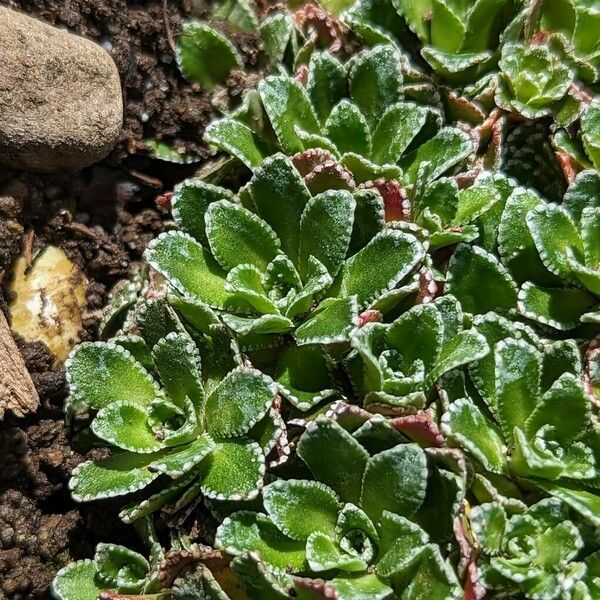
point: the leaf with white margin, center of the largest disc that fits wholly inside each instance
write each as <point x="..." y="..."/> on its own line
<point x="125" y="425"/>
<point x="417" y="335"/>
<point x="561" y="356"/>
<point x="182" y="460"/>
<point x="479" y="281"/>
<point x="119" y="474"/>
<point x="347" y="128"/>
<point x="318" y="281"/>
<point x="334" y="457"/>
<point x="394" y="252"/>
<point x="586" y="503"/>
<point x="326" y="83"/>
<point x="325" y="230"/>
<point x="369" y="219"/>
<point x="518" y="374"/>
<point x="465" y="347"/>
<point x="205" y="56"/>
<point x="323" y="554"/>
<point x="564" y="407"/>
<point x="77" y="581"/>
<point x="188" y="267"/>
<point x="238" y="403"/>
<point x="287" y="105"/>
<point x="258" y="325"/>
<point x="488" y="522"/>
<point x="464" y="424"/>
<point x="395" y="480"/>
<point x="245" y="532"/>
<point x="590" y="233"/>
<point x="280" y="196"/>
<point x="556" y="238"/>
<point x="276" y="31"/>
<point x="238" y="236"/>
<point x="177" y="361"/>
<point x="583" y="192"/>
<point x="445" y="150"/>
<point x="100" y="373"/>
<point x="302" y="375"/>
<point x="247" y="283"/>
<point x="401" y="541"/>
<point x="375" y="81"/>
<point x="238" y="140"/>
<point x="120" y="567"/>
<point x="169" y="494"/>
<point x="361" y="587"/>
<point x="428" y="577"/>
<point x="234" y="471"/>
<point x="560" y="308"/>
<point x="397" y="128"/>
<point x="190" y="200"/>
<point x="332" y="322"/>
<point x="300" y="507"/>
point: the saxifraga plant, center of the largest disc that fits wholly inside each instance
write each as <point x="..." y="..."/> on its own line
<point x="370" y="360"/>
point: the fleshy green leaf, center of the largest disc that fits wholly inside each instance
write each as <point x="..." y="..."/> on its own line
<point x="446" y="149"/>
<point x="288" y="107"/>
<point x="348" y="129"/>
<point x="120" y="474"/>
<point x="564" y="407"/>
<point x="326" y="83"/>
<point x="479" y="281"/>
<point x="375" y="81"/>
<point x="325" y="230"/>
<point x="324" y="554"/>
<point x="125" y="425"/>
<point x="251" y="532"/>
<point x="188" y="267"/>
<point x="397" y="128"/>
<point x="233" y="471"/>
<point x="238" y="403"/>
<point x="333" y="321"/>
<point x="280" y="197"/>
<point x="238" y="140"/>
<point x="334" y="457"/>
<point x="395" y="480"/>
<point x="77" y="581"/>
<point x="101" y="373"/>
<point x="183" y="459"/>
<point x="465" y="424"/>
<point x="518" y="373"/>
<point x="488" y="522"/>
<point x="556" y="238"/>
<point x="300" y="507"/>
<point x="177" y="361"/>
<point x="205" y="56"/>
<point x="237" y="236"/>
<point x="396" y="253"/>
<point x="190" y="201"/>
<point x="560" y="308"/>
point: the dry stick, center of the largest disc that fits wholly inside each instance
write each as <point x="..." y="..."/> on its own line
<point x="17" y="392"/>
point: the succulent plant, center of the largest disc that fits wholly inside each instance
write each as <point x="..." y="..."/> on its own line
<point x="356" y="112"/>
<point x="402" y="360"/>
<point x="535" y="424"/>
<point x="536" y="553"/>
<point x="278" y="260"/>
<point x="366" y="349"/>
<point x="572" y="24"/>
<point x="351" y="525"/>
<point x="179" y="432"/>
<point x="532" y="79"/>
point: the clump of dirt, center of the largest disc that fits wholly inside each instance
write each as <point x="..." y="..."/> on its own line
<point x="159" y="103"/>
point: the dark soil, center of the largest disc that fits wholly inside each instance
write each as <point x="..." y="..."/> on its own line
<point x="103" y="218"/>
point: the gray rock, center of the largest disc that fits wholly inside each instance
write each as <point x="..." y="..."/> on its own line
<point x="61" y="106"/>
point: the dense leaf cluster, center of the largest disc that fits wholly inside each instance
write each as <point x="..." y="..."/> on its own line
<point x="364" y="361"/>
